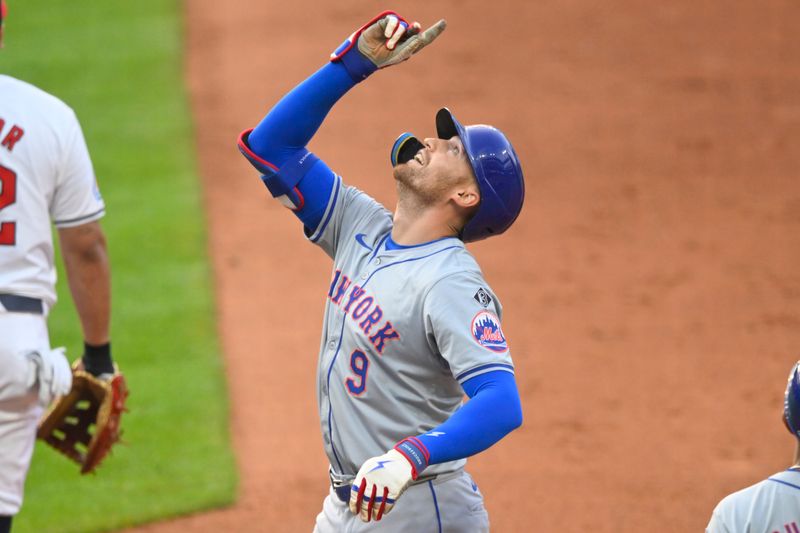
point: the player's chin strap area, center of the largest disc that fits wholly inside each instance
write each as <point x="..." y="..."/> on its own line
<point x="282" y="183"/>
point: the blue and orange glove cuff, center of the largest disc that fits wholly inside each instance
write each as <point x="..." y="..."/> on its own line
<point x="417" y="454"/>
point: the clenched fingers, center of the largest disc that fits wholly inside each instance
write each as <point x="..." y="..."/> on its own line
<point x="394" y="31"/>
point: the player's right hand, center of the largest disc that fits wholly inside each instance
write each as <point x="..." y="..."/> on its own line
<point x="378" y="484"/>
<point x="53" y="373"/>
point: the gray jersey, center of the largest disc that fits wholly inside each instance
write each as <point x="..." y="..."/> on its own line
<point x="773" y="505"/>
<point x="403" y="328"/>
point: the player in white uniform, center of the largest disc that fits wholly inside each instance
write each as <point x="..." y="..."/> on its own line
<point x="45" y="175"/>
<point x="772" y="505"/>
<point x="410" y="323"/>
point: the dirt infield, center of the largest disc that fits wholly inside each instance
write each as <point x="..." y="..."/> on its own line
<point x="651" y="285"/>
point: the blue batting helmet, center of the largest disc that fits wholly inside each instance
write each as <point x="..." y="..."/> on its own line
<point x="497" y="171"/>
<point x="791" y="402"/>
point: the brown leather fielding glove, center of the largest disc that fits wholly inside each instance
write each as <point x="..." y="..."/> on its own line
<point x="85" y="423"/>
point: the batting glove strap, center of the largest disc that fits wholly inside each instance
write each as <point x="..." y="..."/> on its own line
<point x="357" y="65"/>
<point x="416" y="453"/>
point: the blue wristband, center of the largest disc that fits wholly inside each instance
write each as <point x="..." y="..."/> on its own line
<point x="416" y="453"/>
<point x="358" y="66"/>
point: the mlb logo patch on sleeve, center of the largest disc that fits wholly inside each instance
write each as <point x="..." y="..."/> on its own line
<point x="482" y="297"/>
<point x="486" y="330"/>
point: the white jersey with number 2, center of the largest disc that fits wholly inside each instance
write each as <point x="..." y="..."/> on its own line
<point x="45" y="174"/>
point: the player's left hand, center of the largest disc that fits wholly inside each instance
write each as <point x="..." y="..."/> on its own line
<point x="84" y="423"/>
<point x="385" y="40"/>
<point x="378" y="484"/>
<point x="392" y="39"/>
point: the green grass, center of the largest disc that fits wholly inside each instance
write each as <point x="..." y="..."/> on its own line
<point x="119" y="65"/>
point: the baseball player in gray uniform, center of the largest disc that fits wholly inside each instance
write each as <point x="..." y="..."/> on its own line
<point x="45" y="175"/>
<point x="772" y="505"/>
<point x="410" y="323"/>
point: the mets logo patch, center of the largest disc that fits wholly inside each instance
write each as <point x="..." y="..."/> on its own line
<point x="486" y="330"/>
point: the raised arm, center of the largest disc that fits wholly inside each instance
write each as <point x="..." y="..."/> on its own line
<point x="276" y="146"/>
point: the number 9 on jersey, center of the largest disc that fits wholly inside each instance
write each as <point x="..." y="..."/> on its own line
<point x="359" y="363"/>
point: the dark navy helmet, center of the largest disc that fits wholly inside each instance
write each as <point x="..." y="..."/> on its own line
<point x="791" y="402"/>
<point x="497" y="171"/>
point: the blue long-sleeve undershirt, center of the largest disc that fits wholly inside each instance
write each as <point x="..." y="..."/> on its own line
<point x="494" y="406"/>
<point x="294" y="120"/>
<point x="493" y="411"/>
<point x="286" y="130"/>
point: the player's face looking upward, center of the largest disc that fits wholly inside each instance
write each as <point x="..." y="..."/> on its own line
<point x="439" y="174"/>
